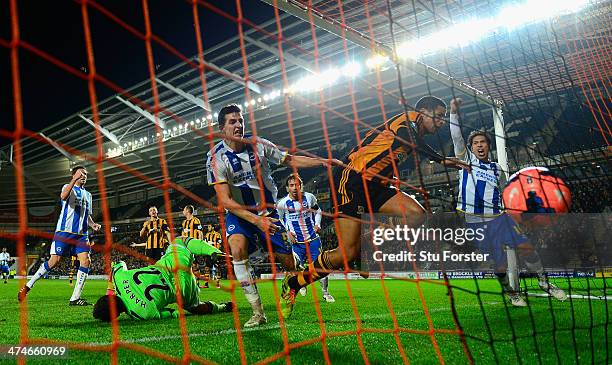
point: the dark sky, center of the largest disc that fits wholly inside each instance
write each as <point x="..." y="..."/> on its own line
<point x="56" y="27"/>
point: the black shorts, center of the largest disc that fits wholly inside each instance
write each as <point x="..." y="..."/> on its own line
<point x="351" y="193"/>
<point x="154" y="253"/>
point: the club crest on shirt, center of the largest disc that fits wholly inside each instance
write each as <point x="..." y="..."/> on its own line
<point x="235" y="162"/>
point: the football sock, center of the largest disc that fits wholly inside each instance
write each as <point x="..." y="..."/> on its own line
<point x="110" y="288"/>
<point x="534" y="264"/>
<point x="80" y="282"/>
<point x="324" y="284"/>
<point x="42" y="271"/>
<point x="245" y="276"/>
<point x="320" y="269"/>
<point x="504" y="281"/>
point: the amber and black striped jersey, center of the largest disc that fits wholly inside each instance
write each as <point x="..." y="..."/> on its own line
<point x="156" y="233"/>
<point x="191" y="227"/>
<point x="387" y="143"/>
<point x="214" y="238"/>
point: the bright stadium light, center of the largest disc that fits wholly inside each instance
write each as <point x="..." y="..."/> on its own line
<point x="157" y="134"/>
<point x="216" y="115"/>
<point x="145" y="138"/>
<point x="252" y="101"/>
<point x="259" y="100"/>
<point x="192" y="123"/>
<point x="330" y="76"/>
<point x="174" y="129"/>
<point x="315" y="82"/>
<point x="246" y="104"/>
<point x="209" y="117"/>
<point x="351" y="69"/>
<point x="532" y="11"/>
<point x="266" y="97"/>
<point x="473" y="30"/>
<point x="376" y="61"/>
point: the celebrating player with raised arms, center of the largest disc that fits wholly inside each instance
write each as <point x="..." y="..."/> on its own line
<point x="71" y="236"/>
<point x="145" y="293"/>
<point x="301" y="216"/>
<point x="234" y="166"/>
<point x="374" y="158"/>
<point x="480" y="199"/>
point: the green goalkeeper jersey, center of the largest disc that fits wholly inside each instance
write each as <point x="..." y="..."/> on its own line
<point x="146" y="292"/>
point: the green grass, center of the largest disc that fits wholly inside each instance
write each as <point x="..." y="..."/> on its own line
<point x="214" y="337"/>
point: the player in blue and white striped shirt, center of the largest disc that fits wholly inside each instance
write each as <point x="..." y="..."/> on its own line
<point x="301" y="216"/>
<point x="71" y="236"/>
<point x="234" y="167"/>
<point x="479" y="198"/>
<point x="5" y="259"/>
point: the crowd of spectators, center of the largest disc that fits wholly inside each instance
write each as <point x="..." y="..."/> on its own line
<point x="592" y="196"/>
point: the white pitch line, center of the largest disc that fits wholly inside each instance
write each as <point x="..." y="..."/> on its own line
<point x="230" y="331"/>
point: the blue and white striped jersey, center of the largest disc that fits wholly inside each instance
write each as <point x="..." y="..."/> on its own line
<point x="76" y="210"/>
<point x="239" y="170"/>
<point x="4" y="258"/>
<point x="479" y="191"/>
<point x="300" y="218"/>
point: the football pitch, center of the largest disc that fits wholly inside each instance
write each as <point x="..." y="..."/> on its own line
<point x="546" y="332"/>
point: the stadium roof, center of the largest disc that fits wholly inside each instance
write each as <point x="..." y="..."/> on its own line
<point x="127" y="119"/>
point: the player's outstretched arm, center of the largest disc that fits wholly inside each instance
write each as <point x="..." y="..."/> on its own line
<point x="305" y="161"/>
<point x="424" y="149"/>
<point x="455" y="129"/>
<point x="199" y="247"/>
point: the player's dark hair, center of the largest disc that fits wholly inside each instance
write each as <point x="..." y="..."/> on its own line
<point x="76" y="168"/>
<point x="228" y="109"/>
<point x="479" y="133"/>
<point x="190" y="208"/>
<point x="293" y="177"/>
<point x="102" y="308"/>
<point x="429" y="103"/>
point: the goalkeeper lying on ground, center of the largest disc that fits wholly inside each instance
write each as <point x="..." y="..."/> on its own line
<point x="146" y="292"/>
